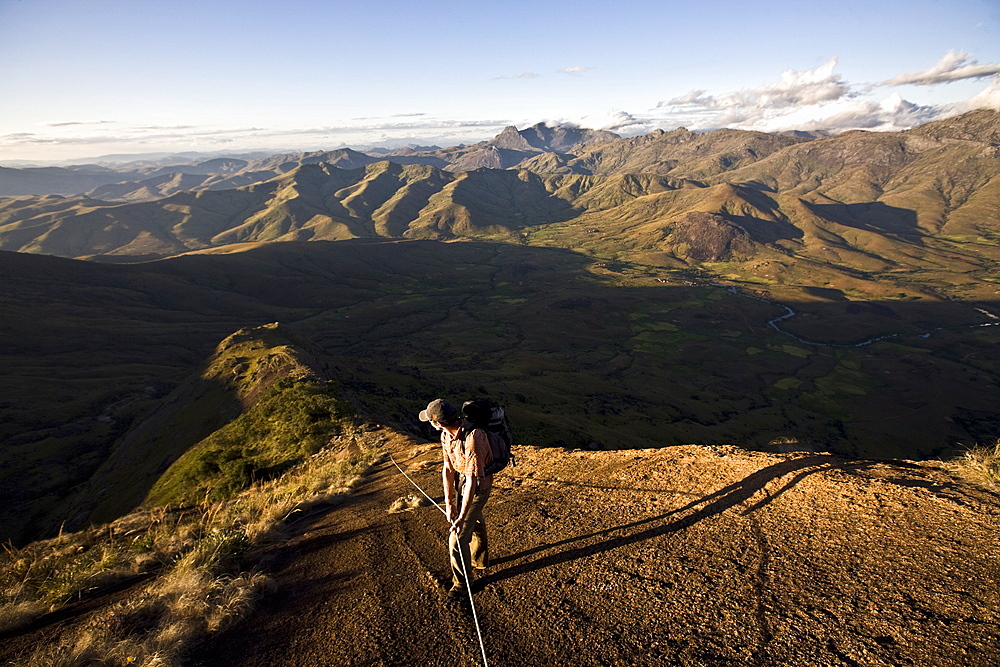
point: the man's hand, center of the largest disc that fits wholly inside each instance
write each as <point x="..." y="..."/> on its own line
<point x="456" y="525"/>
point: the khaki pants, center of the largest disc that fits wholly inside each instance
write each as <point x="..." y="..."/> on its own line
<point x="469" y="543"/>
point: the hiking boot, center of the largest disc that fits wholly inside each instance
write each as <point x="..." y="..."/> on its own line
<point x="457" y="592"/>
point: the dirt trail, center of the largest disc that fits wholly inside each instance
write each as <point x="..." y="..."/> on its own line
<point x="680" y="556"/>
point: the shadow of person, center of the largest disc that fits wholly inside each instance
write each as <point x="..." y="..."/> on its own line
<point x="677" y="519"/>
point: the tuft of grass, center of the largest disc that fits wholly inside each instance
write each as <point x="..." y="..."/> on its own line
<point x="980" y="465"/>
<point x="407" y="503"/>
<point x="198" y="564"/>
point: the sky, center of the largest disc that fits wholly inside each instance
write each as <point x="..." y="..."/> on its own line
<point x="81" y="79"/>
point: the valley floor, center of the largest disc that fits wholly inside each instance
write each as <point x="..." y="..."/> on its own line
<point x="681" y="556"/>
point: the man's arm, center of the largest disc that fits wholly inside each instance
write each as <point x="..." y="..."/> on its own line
<point x="468" y="490"/>
<point x="448" y="476"/>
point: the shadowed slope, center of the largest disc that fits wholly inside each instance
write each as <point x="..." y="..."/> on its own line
<point x="582" y="353"/>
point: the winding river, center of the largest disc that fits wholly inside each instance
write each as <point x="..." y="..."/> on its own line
<point x="789" y="313"/>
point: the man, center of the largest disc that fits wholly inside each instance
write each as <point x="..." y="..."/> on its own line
<point x="466" y="489"/>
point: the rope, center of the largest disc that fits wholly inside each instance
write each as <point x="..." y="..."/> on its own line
<point x="417" y="485"/>
<point x="475" y="618"/>
<point x="465" y="571"/>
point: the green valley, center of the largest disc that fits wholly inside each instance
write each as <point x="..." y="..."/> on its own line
<point x="778" y="293"/>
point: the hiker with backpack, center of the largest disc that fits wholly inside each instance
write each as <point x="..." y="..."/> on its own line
<point x="470" y="460"/>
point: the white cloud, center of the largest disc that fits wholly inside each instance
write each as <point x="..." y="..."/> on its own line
<point x="30" y="138"/>
<point x="890" y="114"/>
<point x="620" y="122"/>
<point x="988" y="97"/>
<point x="794" y="89"/>
<point x="820" y="99"/>
<point x="522" y="75"/>
<point x="534" y="75"/>
<point x="954" y="66"/>
<point x="692" y="97"/>
<point x="77" y="122"/>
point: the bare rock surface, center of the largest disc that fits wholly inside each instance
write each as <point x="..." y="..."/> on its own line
<point x="698" y="556"/>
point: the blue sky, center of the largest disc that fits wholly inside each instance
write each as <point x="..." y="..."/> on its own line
<point x="83" y="78"/>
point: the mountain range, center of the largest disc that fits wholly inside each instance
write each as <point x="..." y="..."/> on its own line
<point x="779" y="292"/>
<point x="774" y="209"/>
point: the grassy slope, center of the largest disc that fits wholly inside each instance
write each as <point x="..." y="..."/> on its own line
<point x="581" y="353"/>
<point x="291" y="422"/>
<point x="244" y="366"/>
<point x="292" y="444"/>
<point x="187" y="572"/>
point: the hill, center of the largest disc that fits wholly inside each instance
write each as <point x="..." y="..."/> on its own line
<point x="147" y="180"/>
<point x="685" y="555"/>
<point x="584" y="353"/>
<point x="680" y="153"/>
<point x="312" y="202"/>
<point x="517" y="148"/>
<point x="59" y="180"/>
<point x="303" y="449"/>
<point x="682" y="556"/>
<point x="144" y="181"/>
<point x="190" y="447"/>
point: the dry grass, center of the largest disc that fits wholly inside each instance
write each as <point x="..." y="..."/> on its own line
<point x="407" y="503"/>
<point x="158" y="625"/>
<point x="200" y="560"/>
<point x="979" y="465"/>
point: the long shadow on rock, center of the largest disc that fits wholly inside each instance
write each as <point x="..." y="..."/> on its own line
<point x="676" y="520"/>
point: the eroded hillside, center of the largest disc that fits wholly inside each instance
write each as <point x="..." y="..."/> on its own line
<point x="684" y="556"/>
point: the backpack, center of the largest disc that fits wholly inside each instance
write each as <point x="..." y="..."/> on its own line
<point x="487" y="415"/>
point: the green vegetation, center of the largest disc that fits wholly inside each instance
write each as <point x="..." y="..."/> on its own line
<point x="192" y="569"/>
<point x="291" y="422"/>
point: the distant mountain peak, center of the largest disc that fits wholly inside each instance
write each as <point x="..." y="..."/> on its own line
<point x="512" y="139"/>
<point x="549" y="138"/>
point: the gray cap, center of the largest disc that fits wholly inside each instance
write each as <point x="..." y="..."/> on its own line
<point x="440" y="411"/>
